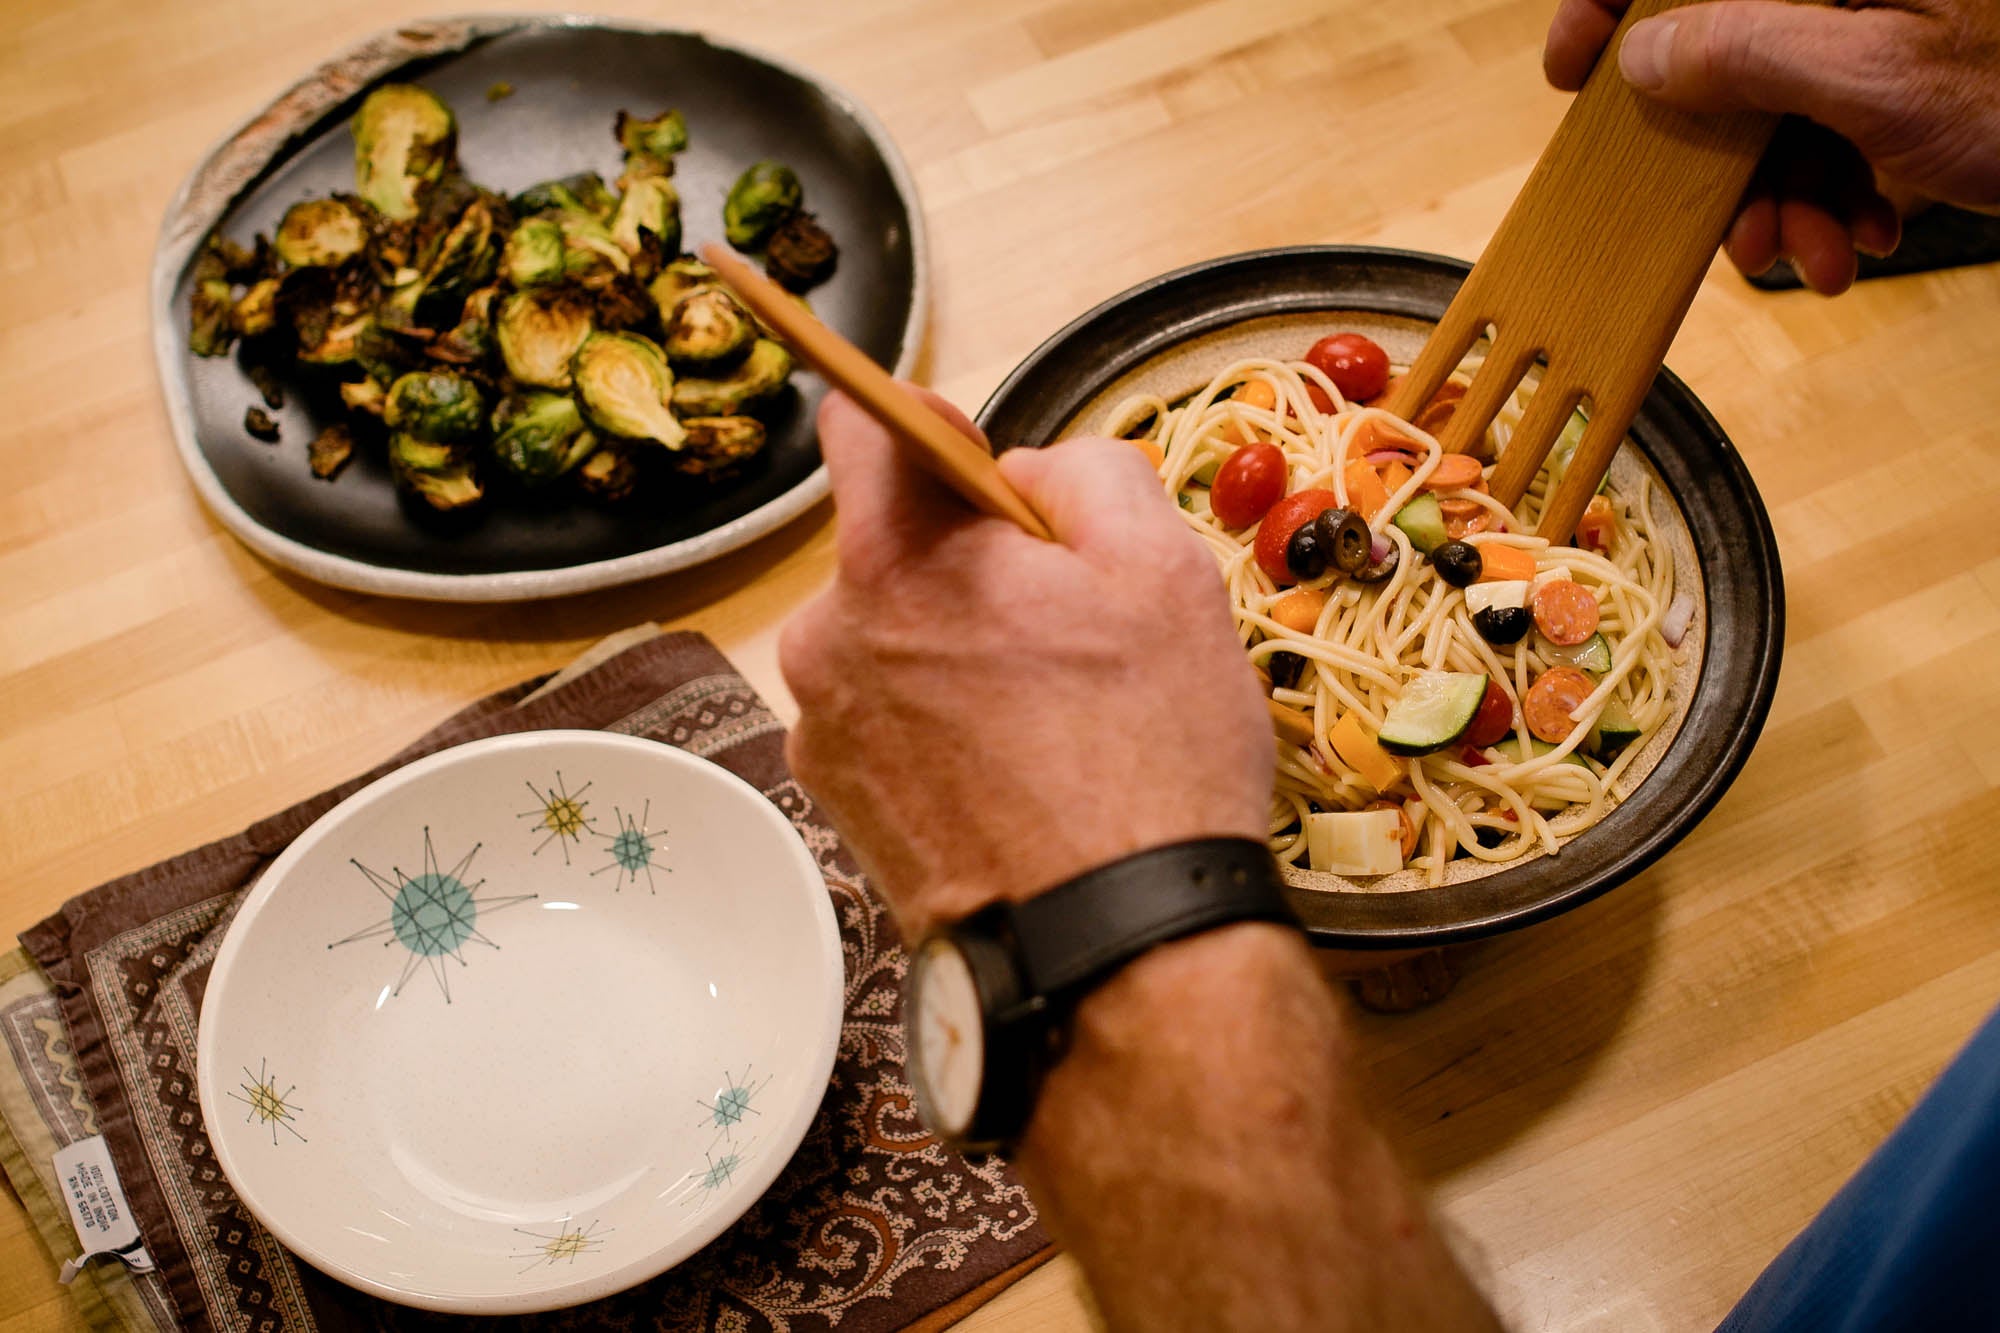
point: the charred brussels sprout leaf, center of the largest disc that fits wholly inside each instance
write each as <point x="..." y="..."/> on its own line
<point x="650" y="205"/>
<point x="763" y="196"/>
<point x="256" y="311"/>
<point x="330" y="450"/>
<point x="365" y="396"/>
<point x="761" y="374"/>
<point x="662" y="136"/>
<point x="609" y="473"/>
<point x="404" y="140"/>
<point x="470" y="341"/>
<point x="707" y="328"/>
<point x="436" y="406"/>
<point x="534" y="254"/>
<point x="320" y="233"/>
<point x="800" y="252"/>
<point x="211" y="311"/>
<point x="584" y="192"/>
<point x="590" y="255"/>
<point x="539" y="333"/>
<point x="259" y="423"/>
<point x="625" y="386"/>
<point x="435" y="473"/>
<point x="716" y="444"/>
<point x="537" y="437"/>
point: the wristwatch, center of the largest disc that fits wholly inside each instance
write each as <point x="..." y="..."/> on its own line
<point x="989" y="998"/>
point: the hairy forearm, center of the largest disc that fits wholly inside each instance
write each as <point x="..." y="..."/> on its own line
<point x="1203" y="1152"/>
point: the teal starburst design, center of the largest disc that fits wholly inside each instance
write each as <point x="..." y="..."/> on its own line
<point x="433" y="915"/>
<point x="562" y="812"/>
<point x="633" y="849"/>
<point x="720" y="1170"/>
<point x="732" y="1103"/>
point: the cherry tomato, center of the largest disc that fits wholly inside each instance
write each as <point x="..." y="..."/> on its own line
<point x="1249" y="483"/>
<point x="1358" y="366"/>
<point x="1494" y="719"/>
<point x="1283" y="519"/>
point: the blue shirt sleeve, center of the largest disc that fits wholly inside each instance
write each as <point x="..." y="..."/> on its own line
<point x="1912" y="1242"/>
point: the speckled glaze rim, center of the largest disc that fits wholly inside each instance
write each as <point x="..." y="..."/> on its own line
<point x="240" y="158"/>
<point x="1744" y="605"/>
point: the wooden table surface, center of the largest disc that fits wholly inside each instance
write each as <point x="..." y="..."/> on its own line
<point x="1623" y="1113"/>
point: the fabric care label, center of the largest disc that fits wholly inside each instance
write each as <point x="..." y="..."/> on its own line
<point x="103" y="1220"/>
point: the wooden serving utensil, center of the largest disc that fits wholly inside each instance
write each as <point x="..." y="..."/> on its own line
<point x="937" y="445"/>
<point x="1592" y="270"/>
<point x="934" y="443"/>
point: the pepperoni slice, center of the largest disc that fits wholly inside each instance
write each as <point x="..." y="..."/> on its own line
<point x="1454" y="472"/>
<point x="1565" y="612"/>
<point x="1551" y="699"/>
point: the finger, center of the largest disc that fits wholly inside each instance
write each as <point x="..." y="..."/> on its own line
<point x="889" y="508"/>
<point x="1753" y="238"/>
<point x="1771" y="55"/>
<point x="1877" y="227"/>
<point x="1098" y="496"/>
<point x="1577" y="36"/>
<point x="1818" y="245"/>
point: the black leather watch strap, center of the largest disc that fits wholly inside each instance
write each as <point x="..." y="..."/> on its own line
<point x="1071" y="937"/>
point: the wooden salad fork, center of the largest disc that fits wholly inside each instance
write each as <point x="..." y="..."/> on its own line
<point x="1591" y="272"/>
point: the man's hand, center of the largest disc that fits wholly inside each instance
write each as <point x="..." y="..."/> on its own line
<point x="986" y="714"/>
<point x="1908" y="89"/>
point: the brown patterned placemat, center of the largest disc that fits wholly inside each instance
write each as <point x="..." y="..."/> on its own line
<point x="873" y="1226"/>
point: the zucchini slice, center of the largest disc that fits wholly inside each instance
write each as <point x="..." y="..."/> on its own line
<point x="1422" y="521"/>
<point x="1592" y="655"/>
<point x="1613" y="731"/>
<point x="1435" y="709"/>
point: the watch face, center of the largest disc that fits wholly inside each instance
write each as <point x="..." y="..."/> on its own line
<point x="948" y="1034"/>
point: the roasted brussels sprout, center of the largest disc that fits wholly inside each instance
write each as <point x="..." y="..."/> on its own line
<point x="404" y="139"/>
<point x="708" y="328"/>
<point x="677" y="280"/>
<point x="584" y="192"/>
<point x="761" y="374"/>
<point x="539" y="436"/>
<point x="328" y="310"/>
<point x="799" y="252"/>
<point x="211" y="307"/>
<point x="539" y="332"/>
<point x="256" y="311"/>
<point x="662" y="136"/>
<point x="436" y="406"/>
<point x="625" y="386"/>
<point x="320" y="233"/>
<point x="618" y="303"/>
<point x="650" y="205"/>
<point x="763" y="196"/>
<point x="716" y="444"/>
<point x="466" y="258"/>
<point x="609" y="473"/>
<point x="590" y="255"/>
<point x="338" y="344"/>
<point x="330" y="449"/>
<point x="534" y="254"/>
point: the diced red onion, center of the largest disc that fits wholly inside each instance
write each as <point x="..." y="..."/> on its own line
<point x="1389" y="456"/>
<point x="1378" y="550"/>
<point x="1680" y="615"/>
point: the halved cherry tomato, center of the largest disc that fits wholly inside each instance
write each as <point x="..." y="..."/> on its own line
<point x="1551" y="699"/>
<point x="1494" y="719"/>
<point x="1566" y="612"/>
<point x="1596" y="528"/>
<point x="1358" y="366"/>
<point x="1248" y="484"/>
<point x="1283" y="519"/>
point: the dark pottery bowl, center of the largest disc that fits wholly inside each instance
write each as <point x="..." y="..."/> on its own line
<point x="1175" y="332"/>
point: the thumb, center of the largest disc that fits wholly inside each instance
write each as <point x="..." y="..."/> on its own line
<point x="1830" y="65"/>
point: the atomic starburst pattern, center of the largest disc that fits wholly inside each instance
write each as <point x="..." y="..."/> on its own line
<point x="268" y="1105"/>
<point x="633" y="849"/>
<point x="433" y="915"/>
<point x="562" y="814"/>
<point x="564" y="1246"/>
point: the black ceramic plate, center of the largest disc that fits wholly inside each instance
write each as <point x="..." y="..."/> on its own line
<point x="570" y="78"/>
<point x="1732" y="546"/>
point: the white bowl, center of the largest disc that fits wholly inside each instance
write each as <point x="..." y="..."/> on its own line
<point x="524" y="1023"/>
